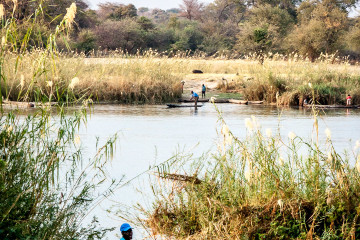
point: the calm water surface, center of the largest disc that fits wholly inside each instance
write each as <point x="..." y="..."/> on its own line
<point x="152" y="134"/>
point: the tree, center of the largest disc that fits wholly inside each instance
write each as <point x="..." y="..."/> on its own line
<point x="86" y="41"/>
<point x="321" y="32"/>
<point x="145" y="23"/>
<point x="265" y="30"/>
<point x="191" y="9"/>
<point x="224" y="10"/>
<point x="125" y="34"/>
<point x="190" y="38"/>
<point x="116" y="11"/>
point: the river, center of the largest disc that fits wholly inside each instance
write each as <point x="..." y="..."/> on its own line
<point x="151" y="134"/>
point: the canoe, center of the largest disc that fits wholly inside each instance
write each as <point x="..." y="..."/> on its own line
<point x="188" y="100"/>
<point x="255" y="102"/>
<point x="181" y="106"/>
<point x="331" y="106"/>
<point x="14" y="104"/>
<point x="238" y="101"/>
<point x="217" y="100"/>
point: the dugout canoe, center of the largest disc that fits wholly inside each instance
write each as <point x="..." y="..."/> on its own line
<point x="181" y="106"/>
<point x="217" y="100"/>
<point x="188" y="100"/>
<point x="330" y="106"/>
<point x="236" y="101"/>
<point x="20" y="105"/>
<point x="255" y="102"/>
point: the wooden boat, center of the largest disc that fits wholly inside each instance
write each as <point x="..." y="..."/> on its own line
<point x="238" y="101"/>
<point x="255" y="102"/>
<point x="181" y="106"/>
<point x="330" y="106"/>
<point x="15" y="104"/>
<point x="217" y="100"/>
<point x="188" y="100"/>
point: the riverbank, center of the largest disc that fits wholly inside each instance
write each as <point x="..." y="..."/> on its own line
<point x="158" y="80"/>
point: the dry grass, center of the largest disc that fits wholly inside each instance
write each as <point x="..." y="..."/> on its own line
<point x="155" y="79"/>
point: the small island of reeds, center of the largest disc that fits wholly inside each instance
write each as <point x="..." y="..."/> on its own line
<point x="263" y="186"/>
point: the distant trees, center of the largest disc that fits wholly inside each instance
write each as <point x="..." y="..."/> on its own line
<point x="265" y="29"/>
<point x="320" y="29"/>
<point x="116" y="11"/>
<point x="191" y="9"/>
<point x="308" y="27"/>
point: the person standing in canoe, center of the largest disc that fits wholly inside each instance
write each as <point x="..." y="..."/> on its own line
<point x="194" y="96"/>
<point x="348" y="100"/>
<point x="203" y="91"/>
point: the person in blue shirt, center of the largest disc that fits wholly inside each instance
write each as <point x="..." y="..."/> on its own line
<point x="126" y="231"/>
<point x="194" y="96"/>
<point x="203" y="91"/>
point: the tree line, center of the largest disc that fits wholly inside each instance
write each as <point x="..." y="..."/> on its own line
<point x="308" y="28"/>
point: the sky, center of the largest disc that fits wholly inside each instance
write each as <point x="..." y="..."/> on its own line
<point x="162" y="4"/>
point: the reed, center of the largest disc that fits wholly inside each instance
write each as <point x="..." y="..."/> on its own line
<point x="151" y="77"/>
<point x="259" y="187"/>
<point x="47" y="187"/>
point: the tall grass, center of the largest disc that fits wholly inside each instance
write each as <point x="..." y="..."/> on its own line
<point x="47" y="187"/>
<point x="259" y="187"/>
<point x="150" y="77"/>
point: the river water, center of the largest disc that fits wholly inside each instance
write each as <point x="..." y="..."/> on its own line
<point x="151" y="134"/>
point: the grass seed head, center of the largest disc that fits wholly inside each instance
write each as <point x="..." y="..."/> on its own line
<point x="358" y="163"/>
<point x="249" y="124"/>
<point x="74" y="82"/>
<point x="3" y="41"/>
<point x="2" y="11"/>
<point x="292" y="135"/>
<point x="357" y="145"/>
<point x="328" y="133"/>
<point x="268" y="132"/>
<point x="22" y="81"/>
<point x="70" y="15"/>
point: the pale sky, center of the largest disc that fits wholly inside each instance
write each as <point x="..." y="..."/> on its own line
<point x="162" y="4"/>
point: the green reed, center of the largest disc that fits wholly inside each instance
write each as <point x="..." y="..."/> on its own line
<point x="260" y="187"/>
<point x="47" y="187"/>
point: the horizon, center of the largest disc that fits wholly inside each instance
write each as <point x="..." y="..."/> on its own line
<point x="162" y="4"/>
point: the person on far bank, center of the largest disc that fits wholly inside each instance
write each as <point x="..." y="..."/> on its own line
<point x="348" y="100"/>
<point x="203" y="91"/>
<point x="194" y="96"/>
<point x="126" y="231"/>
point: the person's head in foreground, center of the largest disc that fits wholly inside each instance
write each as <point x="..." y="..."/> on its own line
<point x="126" y="231"/>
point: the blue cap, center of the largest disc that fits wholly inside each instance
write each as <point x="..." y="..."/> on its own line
<point x="125" y="227"/>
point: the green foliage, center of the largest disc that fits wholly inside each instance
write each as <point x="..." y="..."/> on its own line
<point x="320" y="33"/>
<point x="86" y="41"/>
<point x="261" y="186"/>
<point x="44" y="193"/>
<point x="189" y="39"/>
<point x="264" y="30"/>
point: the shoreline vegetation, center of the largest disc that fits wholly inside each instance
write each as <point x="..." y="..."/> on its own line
<point x="149" y="78"/>
<point x="260" y="187"/>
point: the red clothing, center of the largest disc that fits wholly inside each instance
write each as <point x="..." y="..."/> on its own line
<point x="348" y="97"/>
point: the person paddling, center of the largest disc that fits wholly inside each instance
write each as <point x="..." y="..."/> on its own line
<point x="194" y="96"/>
<point x="126" y="231"/>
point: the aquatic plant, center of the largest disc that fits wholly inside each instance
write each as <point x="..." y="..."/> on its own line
<point x="47" y="188"/>
<point x="261" y="187"/>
